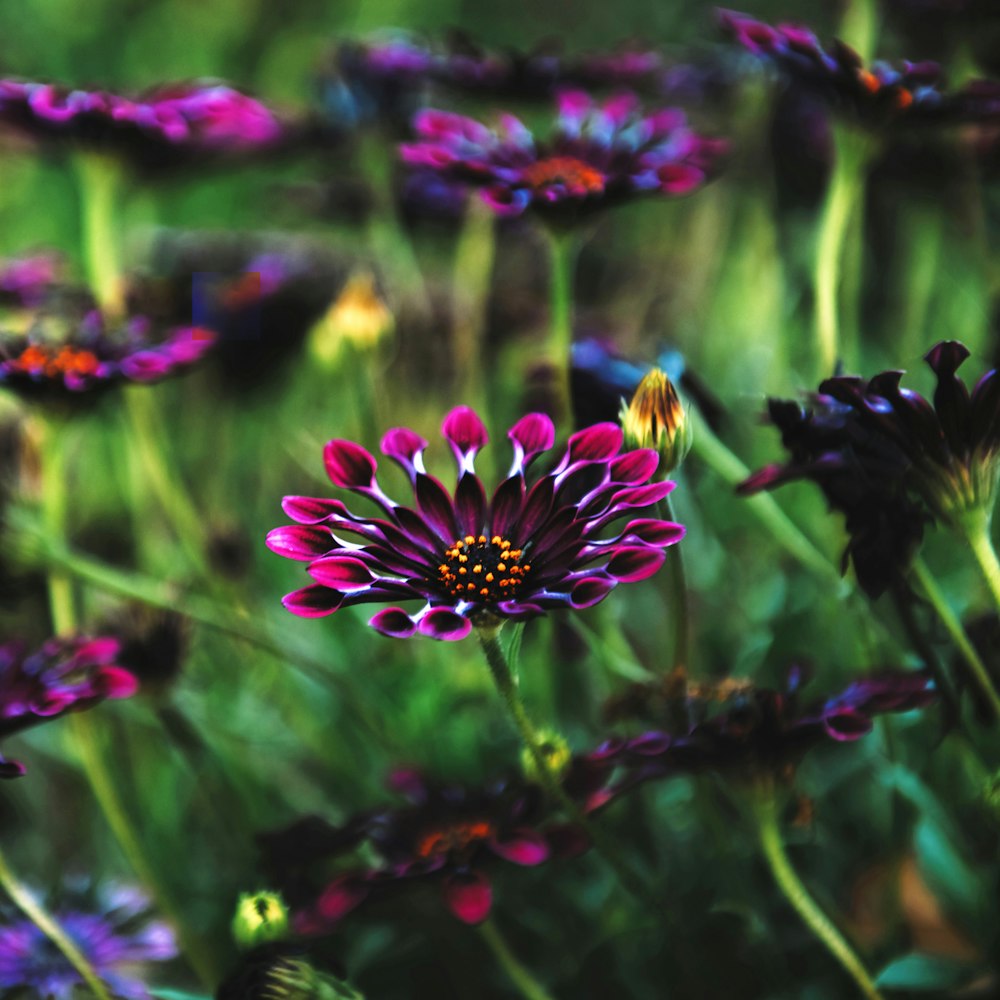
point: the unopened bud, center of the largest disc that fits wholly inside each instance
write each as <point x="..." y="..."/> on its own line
<point x="261" y="917"/>
<point x="359" y="317"/>
<point x="656" y="419"/>
<point x="556" y="752"/>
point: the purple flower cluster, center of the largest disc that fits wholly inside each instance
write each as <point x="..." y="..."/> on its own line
<point x="449" y="835"/>
<point x="473" y="559"/>
<point x="598" y="154"/>
<point x="114" y="942"/>
<point x="25" y="281"/>
<point x="64" y="675"/>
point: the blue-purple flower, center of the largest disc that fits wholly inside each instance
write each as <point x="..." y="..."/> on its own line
<point x="25" y="281"/>
<point x="116" y="942"/>
<point x="598" y="154"/>
<point x="473" y="559"/>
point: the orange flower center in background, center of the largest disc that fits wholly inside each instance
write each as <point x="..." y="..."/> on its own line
<point x="55" y="361"/>
<point x="483" y="569"/>
<point x="564" y="171"/>
<point x="454" y="837"/>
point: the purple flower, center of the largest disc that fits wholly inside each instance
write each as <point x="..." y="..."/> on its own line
<point x="451" y="835"/>
<point x="163" y="125"/>
<point x="910" y="93"/>
<point x="597" y="155"/>
<point x="48" y="362"/>
<point x="65" y="675"/>
<point x="891" y="460"/>
<point x="114" y="942"/>
<point x="473" y="559"/>
<point x="25" y="281"/>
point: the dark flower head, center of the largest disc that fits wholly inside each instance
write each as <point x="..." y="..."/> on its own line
<point x="473" y="559"/>
<point x="60" y="357"/>
<point x="165" y="125"/>
<point x="451" y="835"/>
<point x="65" y="675"/>
<point x="891" y="460"/>
<point x="755" y="731"/>
<point x="911" y="93"/>
<point x="116" y="939"/>
<point x="596" y="156"/>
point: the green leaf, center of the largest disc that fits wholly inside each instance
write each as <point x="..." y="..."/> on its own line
<point x="925" y="972"/>
<point x="178" y="995"/>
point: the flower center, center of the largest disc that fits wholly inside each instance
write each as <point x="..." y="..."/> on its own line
<point x="564" y="171"/>
<point x="52" y="362"/>
<point x="454" y="837"/>
<point x="483" y="569"/>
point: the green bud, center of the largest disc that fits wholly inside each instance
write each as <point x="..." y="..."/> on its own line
<point x="261" y="917"/>
<point x="556" y="752"/>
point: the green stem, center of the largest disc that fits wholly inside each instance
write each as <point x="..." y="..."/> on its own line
<point x="859" y="28"/>
<point x="729" y="468"/>
<point x="100" y="182"/>
<point x="54" y="496"/>
<point x="528" y="986"/>
<point x="534" y="743"/>
<point x="951" y="622"/>
<point x="559" y="350"/>
<point x="48" y="925"/>
<point x="844" y="192"/>
<point x="977" y="532"/>
<point x="773" y="847"/>
<point x="680" y="609"/>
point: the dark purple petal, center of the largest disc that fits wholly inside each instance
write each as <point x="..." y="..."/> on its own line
<point x="466" y="434"/>
<point x="300" y="542"/>
<point x="599" y="443"/>
<point x="312" y="602"/>
<point x="341" y="573"/>
<point x="349" y="465"/>
<point x="406" y="447"/>
<point x="311" y="510"/>
<point x="590" y="591"/>
<point x="522" y="847"/>
<point x="470" y="505"/>
<point x="506" y="506"/>
<point x="469" y="896"/>
<point x="441" y="623"/>
<point x="629" y="565"/>
<point x="394" y="622"/>
<point x="116" y="682"/>
<point x="436" y="507"/>
<point x="634" y="466"/>
<point x="530" y="436"/>
<point x="653" y="532"/>
<point x="340" y="897"/>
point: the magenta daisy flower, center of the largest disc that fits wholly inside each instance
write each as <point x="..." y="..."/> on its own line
<point x="473" y="559"/>
<point x="598" y="154"/>
<point x="65" y="675"/>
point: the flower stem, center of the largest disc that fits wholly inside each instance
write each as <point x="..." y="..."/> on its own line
<point x="527" y="985"/>
<point x="773" y="848"/>
<point x="843" y="194"/>
<point x="680" y="609"/>
<point x="99" y="179"/>
<point x="559" y="350"/>
<point x="977" y="532"/>
<point x="54" y="507"/>
<point x="931" y="591"/>
<point x="534" y="743"/>
<point x="48" y="925"/>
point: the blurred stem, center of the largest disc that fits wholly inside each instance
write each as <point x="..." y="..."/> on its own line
<point x="48" y="925"/>
<point x="951" y="622"/>
<point x="844" y="194"/>
<point x="707" y="447"/>
<point x="859" y="28"/>
<point x="149" y="444"/>
<point x="527" y="985"/>
<point x="534" y="742"/>
<point x="105" y="791"/>
<point x="53" y="451"/>
<point x="680" y="611"/>
<point x="773" y="847"/>
<point x="99" y="179"/>
<point x="559" y="350"/>
<point x="976" y="528"/>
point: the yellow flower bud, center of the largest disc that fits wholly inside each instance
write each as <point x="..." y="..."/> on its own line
<point x="358" y="317"/>
<point x="556" y="752"/>
<point x="260" y="917"/>
<point x="656" y="419"/>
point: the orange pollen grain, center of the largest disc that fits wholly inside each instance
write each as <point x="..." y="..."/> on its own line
<point x="495" y="564"/>
<point x="869" y="81"/>
<point x="564" y="171"/>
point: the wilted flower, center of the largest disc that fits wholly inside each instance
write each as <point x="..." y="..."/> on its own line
<point x="890" y="460"/>
<point x="59" y="357"/>
<point x="911" y="93"/>
<point x="161" y="126"/>
<point x="656" y="419"/>
<point x="598" y="155"/>
<point x="115" y="941"/>
<point x="469" y="558"/>
<point x="451" y="835"/>
<point x="64" y="675"/>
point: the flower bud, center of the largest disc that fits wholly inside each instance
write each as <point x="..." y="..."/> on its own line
<point x="359" y="317"/>
<point x="556" y="752"/>
<point x="261" y="917"/>
<point x="656" y="419"/>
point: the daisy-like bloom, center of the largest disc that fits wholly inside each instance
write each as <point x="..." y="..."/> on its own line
<point x="65" y="675"/>
<point x="910" y="93"/>
<point x="451" y="835"/>
<point x="891" y="460"/>
<point x="471" y="559"/>
<point x="162" y="125"/>
<point x="598" y="154"/>
<point x="116" y="941"/>
<point x="60" y="357"/>
<point x="744" y="730"/>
